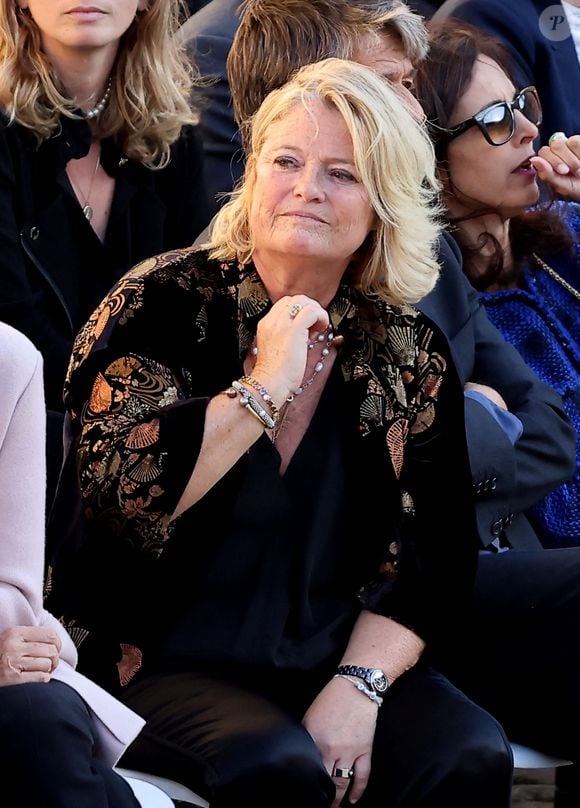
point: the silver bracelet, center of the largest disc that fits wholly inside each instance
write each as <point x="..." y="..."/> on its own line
<point x="251" y="403"/>
<point x="265" y="395"/>
<point x="362" y="687"/>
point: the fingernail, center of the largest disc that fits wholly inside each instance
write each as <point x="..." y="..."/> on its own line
<point x="562" y="168"/>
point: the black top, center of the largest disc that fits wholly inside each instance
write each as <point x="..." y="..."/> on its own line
<point x="53" y="268"/>
<point x="278" y="588"/>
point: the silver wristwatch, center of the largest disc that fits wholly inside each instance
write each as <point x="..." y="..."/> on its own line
<point x="374" y="677"/>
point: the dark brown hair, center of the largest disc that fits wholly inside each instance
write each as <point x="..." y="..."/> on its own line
<point x="441" y="81"/>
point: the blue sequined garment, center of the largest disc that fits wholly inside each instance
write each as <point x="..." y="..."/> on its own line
<point x="542" y="319"/>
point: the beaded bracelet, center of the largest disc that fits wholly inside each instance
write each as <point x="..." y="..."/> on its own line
<point x="251" y="403"/>
<point x="263" y="393"/>
<point x="360" y="686"/>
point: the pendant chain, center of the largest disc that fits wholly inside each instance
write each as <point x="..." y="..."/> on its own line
<point x="325" y="339"/>
<point x="88" y="210"/>
<point x="558" y="278"/>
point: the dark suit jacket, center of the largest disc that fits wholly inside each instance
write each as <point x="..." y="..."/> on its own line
<point x="552" y="66"/>
<point x="208" y="36"/>
<point x="423" y="7"/>
<point x="506" y="479"/>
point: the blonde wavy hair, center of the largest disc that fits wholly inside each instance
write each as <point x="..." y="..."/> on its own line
<point x="151" y="83"/>
<point x="394" y="160"/>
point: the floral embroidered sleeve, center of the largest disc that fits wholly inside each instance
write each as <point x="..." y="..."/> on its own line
<point x="137" y="421"/>
<point x="130" y="450"/>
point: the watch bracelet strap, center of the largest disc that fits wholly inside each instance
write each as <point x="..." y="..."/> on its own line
<point x="358" y="671"/>
<point x="360" y="686"/>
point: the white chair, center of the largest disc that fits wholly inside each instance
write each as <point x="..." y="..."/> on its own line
<point x="527" y="758"/>
<point x="524" y="758"/>
<point x="169" y="788"/>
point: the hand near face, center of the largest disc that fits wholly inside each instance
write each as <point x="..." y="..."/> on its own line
<point x="558" y="165"/>
<point x="282" y="340"/>
<point x="28" y="654"/>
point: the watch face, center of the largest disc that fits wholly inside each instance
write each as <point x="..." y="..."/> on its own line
<point x="378" y="681"/>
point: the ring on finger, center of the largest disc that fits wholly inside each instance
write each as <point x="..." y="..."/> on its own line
<point x="343" y="773"/>
<point x="293" y="309"/>
<point x="556" y="137"/>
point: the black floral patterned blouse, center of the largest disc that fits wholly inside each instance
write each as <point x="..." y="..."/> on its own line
<point x="172" y="334"/>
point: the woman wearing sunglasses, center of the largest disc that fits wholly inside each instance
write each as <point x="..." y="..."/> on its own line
<point x="520" y="246"/>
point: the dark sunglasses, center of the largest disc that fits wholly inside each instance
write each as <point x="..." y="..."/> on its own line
<point x="497" y="121"/>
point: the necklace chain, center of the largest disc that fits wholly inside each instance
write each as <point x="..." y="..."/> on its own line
<point x="558" y="278"/>
<point x="325" y="340"/>
<point x="88" y="210"/>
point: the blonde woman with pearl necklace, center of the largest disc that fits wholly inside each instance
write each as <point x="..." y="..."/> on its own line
<point x="99" y="162"/>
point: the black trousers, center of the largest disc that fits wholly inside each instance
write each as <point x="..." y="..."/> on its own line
<point x="48" y="751"/>
<point x="521" y="659"/>
<point x="436" y="745"/>
<point x="524" y="654"/>
<point x="433" y="747"/>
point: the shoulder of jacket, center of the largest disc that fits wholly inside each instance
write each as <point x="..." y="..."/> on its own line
<point x="19" y="358"/>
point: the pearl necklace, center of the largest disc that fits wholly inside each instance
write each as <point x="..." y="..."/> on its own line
<point x="100" y="105"/>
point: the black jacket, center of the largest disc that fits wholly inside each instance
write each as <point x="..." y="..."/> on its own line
<point x="169" y="337"/>
<point x="53" y="269"/>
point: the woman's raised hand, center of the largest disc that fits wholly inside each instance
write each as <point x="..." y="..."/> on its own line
<point x="28" y="654"/>
<point x="282" y="341"/>
<point x="558" y="165"/>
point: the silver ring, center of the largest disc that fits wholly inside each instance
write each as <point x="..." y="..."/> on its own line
<point x="293" y="309"/>
<point x="557" y="136"/>
<point x="344" y="774"/>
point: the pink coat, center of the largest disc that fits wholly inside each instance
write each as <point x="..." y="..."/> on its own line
<point x="22" y="505"/>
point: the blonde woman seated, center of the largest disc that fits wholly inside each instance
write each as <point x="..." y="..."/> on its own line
<point x="266" y="433"/>
<point x="100" y="166"/>
<point x="59" y="732"/>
